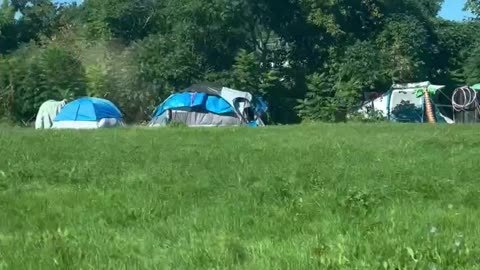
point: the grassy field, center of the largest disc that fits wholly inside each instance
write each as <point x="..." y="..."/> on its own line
<point x="305" y="197"/>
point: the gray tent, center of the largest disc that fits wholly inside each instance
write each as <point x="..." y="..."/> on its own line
<point x="205" y="105"/>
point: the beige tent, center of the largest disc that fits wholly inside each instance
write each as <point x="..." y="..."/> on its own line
<point x="47" y="113"/>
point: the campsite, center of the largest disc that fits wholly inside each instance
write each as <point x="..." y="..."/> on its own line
<point x="208" y="105"/>
<point x="239" y="134"/>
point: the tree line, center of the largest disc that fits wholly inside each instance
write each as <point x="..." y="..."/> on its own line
<point x="309" y="59"/>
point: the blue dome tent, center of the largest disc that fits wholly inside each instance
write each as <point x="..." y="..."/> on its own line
<point x="205" y="105"/>
<point x="88" y="113"/>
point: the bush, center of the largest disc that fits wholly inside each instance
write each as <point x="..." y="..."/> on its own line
<point x="34" y="75"/>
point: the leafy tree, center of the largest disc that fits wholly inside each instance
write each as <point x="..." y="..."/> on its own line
<point x="8" y="39"/>
<point x="38" y="18"/>
<point x="364" y="62"/>
<point x="472" y="67"/>
<point x="269" y="82"/>
<point x="35" y="75"/>
<point x="168" y="62"/>
<point x="319" y="103"/>
<point x="457" y="49"/>
<point x="329" y="97"/>
<point x="430" y="7"/>
<point x="136" y="98"/>
<point x="473" y="6"/>
<point x="405" y="42"/>
<point x="128" y="20"/>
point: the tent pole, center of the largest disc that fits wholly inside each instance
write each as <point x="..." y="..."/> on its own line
<point x="428" y="105"/>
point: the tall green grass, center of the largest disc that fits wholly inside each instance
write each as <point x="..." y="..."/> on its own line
<point x="303" y="197"/>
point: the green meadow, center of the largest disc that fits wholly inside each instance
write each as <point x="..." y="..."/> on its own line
<point x="299" y="197"/>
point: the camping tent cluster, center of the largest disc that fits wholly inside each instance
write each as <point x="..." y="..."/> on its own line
<point x="83" y="113"/>
<point x="425" y="102"/>
<point x="207" y="105"/>
<point x="201" y="105"/>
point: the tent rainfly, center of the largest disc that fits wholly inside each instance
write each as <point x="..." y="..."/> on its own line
<point x="88" y="113"/>
<point x="205" y="105"/>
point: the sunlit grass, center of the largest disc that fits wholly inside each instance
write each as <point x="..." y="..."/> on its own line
<point x="301" y="197"/>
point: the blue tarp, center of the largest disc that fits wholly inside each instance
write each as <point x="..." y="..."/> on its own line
<point x="213" y="104"/>
<point x="261" y="106"/>
<point x="88" y="109"/>
<point x="218" y="105"/>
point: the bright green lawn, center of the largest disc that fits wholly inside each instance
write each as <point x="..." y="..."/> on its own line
<point x="301" y="197"/>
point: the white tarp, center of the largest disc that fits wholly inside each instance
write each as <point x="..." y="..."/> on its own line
<point x="411" y="85"/>
<point x="47" y="113"/>
<point x="398" y="93"/>
<point x="405" y="105"/>
<point x="230" y="95"/>
<point x="379" y="105"/>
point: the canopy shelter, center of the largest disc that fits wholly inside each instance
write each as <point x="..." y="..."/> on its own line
<point x="88" y="113"/>
<point x="407" y="103"/>
<point x="204" y="105"/>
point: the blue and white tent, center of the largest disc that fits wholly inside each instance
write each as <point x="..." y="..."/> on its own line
<point x="88" y="113"/>
<point x="204" y="105"/>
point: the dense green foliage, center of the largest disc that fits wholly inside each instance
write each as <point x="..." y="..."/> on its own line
<point x="310" y="59"/>
<point x="313" y="197"/>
